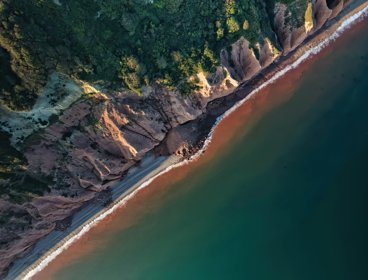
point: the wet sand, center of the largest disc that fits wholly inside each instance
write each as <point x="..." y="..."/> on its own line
<point x="236" y="124"/>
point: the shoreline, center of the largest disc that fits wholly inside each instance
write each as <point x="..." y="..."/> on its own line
<point x="330" y="33"/>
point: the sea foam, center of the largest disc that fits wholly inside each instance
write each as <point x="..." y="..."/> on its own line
<point x="63" y="245"/>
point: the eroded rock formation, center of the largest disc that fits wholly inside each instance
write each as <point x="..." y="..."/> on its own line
<point x="321" y="12"/>
<point x="96" y="135"/>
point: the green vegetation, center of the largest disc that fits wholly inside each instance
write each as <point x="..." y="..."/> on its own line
<point x="15" y="181"/>
<point x="124" y="42"/>
<point x="129" y="43"/>
<point x="296" y="9"/>
<point x="11" y="91"/>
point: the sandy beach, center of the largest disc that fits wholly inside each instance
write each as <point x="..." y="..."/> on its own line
<point x="246" y="112"/>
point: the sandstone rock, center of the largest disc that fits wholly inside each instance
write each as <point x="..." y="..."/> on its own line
<point x="242" y="63"/>
<point x="53" y="208"/>
<point x="19" y="247"/>
<point x="97" y="136"/>
<point x="297" y="37"/>
<point x="216" y="85"/>
<point x="321" y="13"/>
<point x="337" y="8"/>
<point x="266" y="53"/>
<point x="289" y="36"/>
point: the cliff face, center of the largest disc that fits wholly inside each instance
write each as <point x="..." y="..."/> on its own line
<point x="80" y="139"/>
<point x="321" y="13"/>
<point x="242" y="62"/>
<point x="88" y="147"/>
<point x="100" y="137"/>
<point x="289" y="36"/>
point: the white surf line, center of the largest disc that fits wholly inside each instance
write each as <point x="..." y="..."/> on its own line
<point x="346" y="24"/>
<point x="119" y="203"/>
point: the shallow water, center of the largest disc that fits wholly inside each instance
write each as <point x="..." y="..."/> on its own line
<point x="285" y="199"/>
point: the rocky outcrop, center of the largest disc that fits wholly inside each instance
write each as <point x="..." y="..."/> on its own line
<point x="241" y="62"/>
<point x="24" y="242"/>
<point x="289" y="36"/>
<point x="86" y="149"/>
<point x="215" y="85"/>
<point x="42" y="214"/>
<point x="337" y="8"/>
<point x="84" y="139"/>
<point x="321" y="13"/>
<point x="55" y="207"/>
<point x="267" y="53"/>
<point x="97" y="139"/>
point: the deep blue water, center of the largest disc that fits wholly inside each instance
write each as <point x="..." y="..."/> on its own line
<point x="287" y="200"/>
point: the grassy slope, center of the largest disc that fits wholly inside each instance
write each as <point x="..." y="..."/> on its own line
<point x="121" y="42"/>
<point x="131" y="42"/>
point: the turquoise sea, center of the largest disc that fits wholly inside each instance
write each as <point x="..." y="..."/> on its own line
<point x="285" y="200"/>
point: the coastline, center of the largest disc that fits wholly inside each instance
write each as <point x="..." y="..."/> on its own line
<point x="271" y="75"/>
<point x="147" y="199"/>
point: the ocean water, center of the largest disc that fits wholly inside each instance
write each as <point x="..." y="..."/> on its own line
<point x="285" y="199"/>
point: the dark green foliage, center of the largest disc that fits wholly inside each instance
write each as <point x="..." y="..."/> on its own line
<point x="92" y="39"/>
<point x="127" y="43"/>
<point x="15" y="181"/>
<point x="295" y="8"/>
<point x="169" y="40"/>
<point x="12" y="93"/>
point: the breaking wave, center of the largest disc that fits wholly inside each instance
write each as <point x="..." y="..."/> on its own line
<point x="69" y="240"/>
